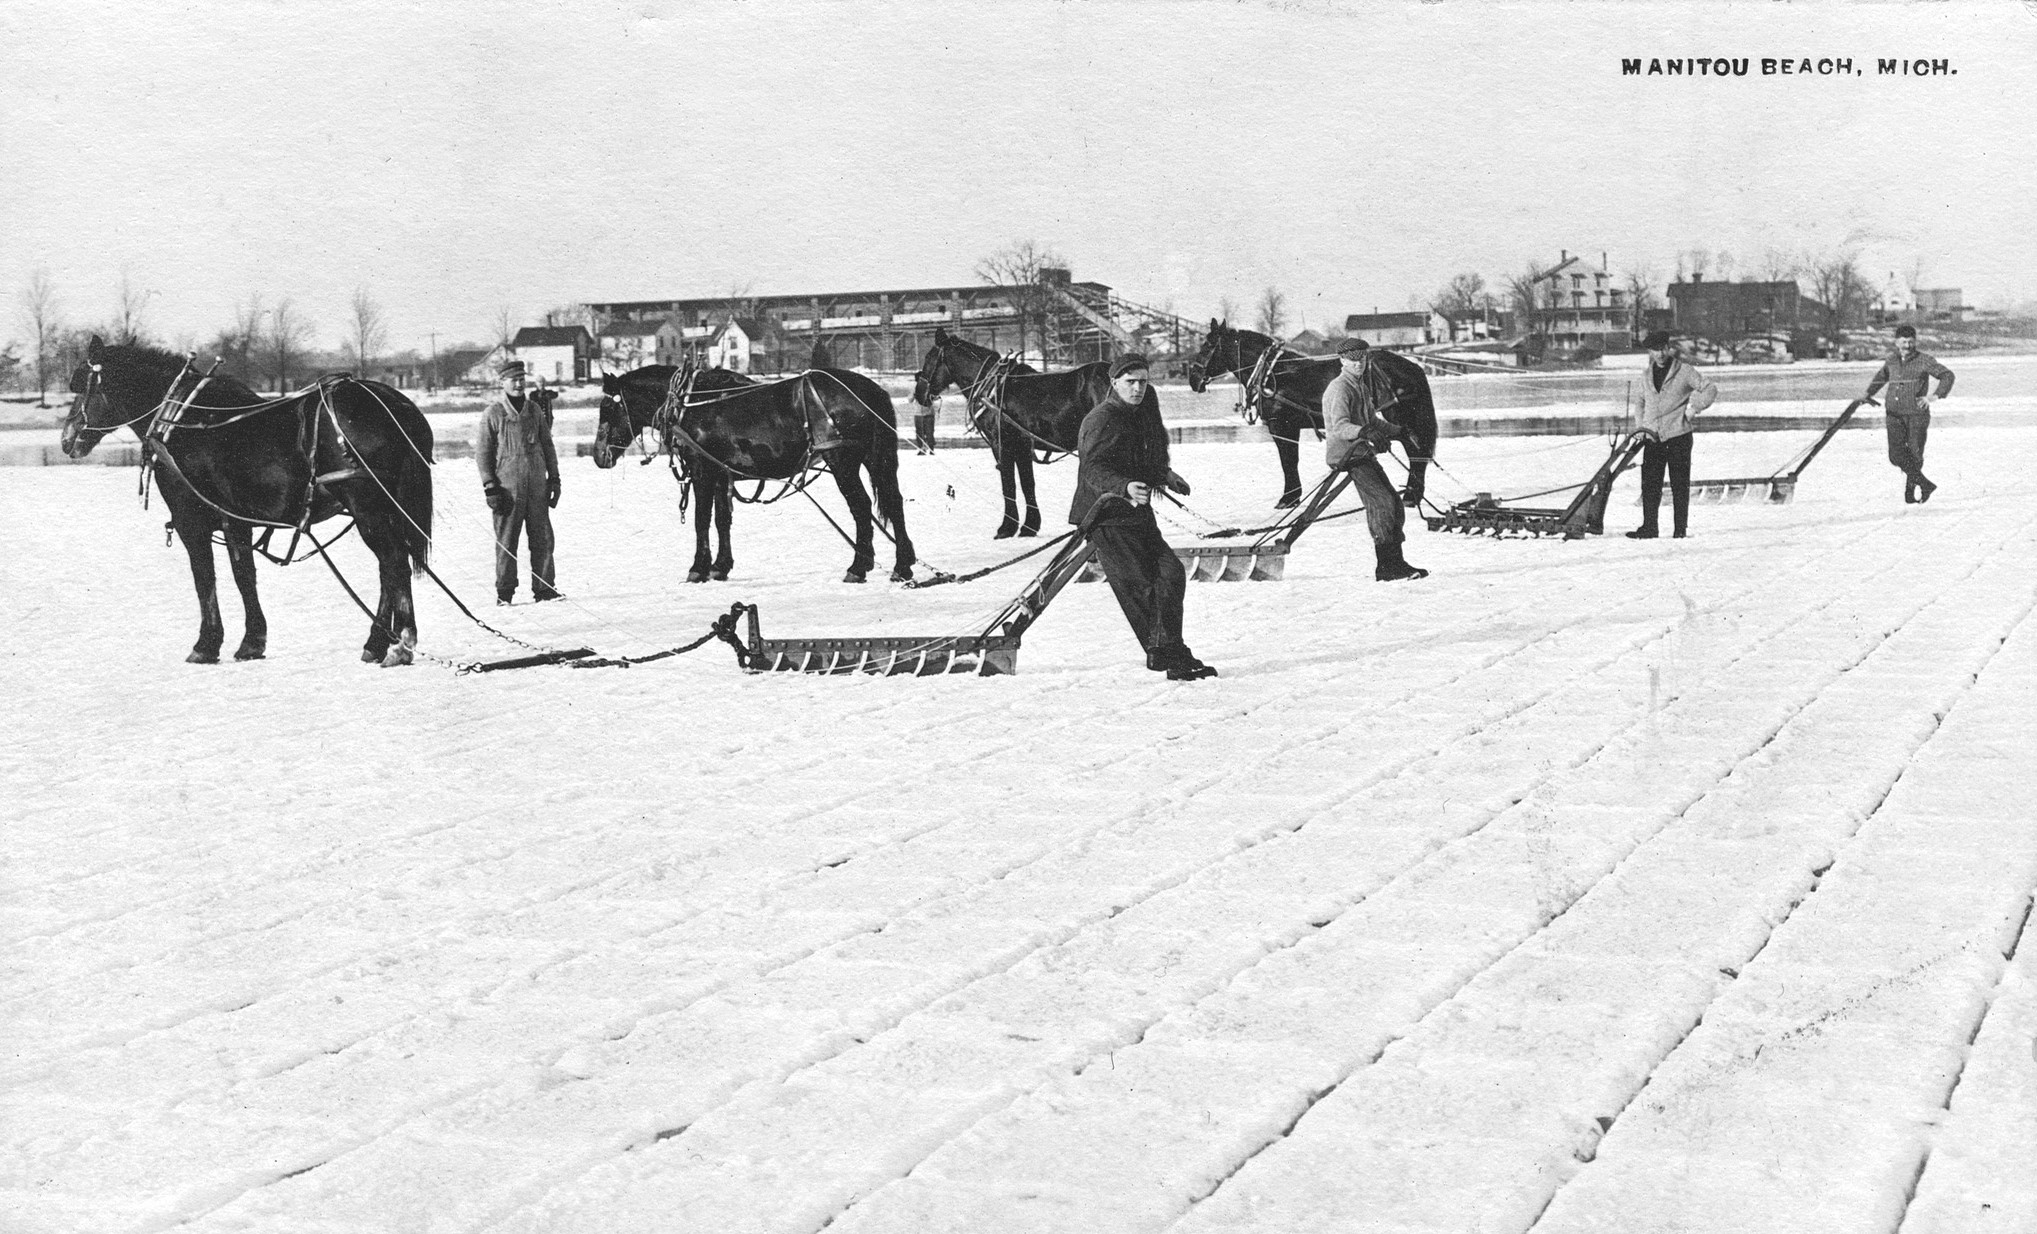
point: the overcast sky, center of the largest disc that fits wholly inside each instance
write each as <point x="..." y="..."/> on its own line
<point x="457" y="158"/>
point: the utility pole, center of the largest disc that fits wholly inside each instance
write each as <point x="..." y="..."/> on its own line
<point x="431" y="380"/>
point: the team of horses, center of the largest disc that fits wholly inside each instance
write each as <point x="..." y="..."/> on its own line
<point x="228" y="461"/>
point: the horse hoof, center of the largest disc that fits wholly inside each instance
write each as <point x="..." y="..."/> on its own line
<point x="853" y="576"/>
<point x="696" y="576"/>
<point x="1288" y="501"/>
<point x="721" y="574"/>
<point x="247" y="652"/>
<point x="370" y="656"/>
<point x="1027" y="533"/>
<point x="1005" y="533"/>
<point x="399" y="653"/>
<point x="202" y="657"/>
<point x="902" y="574"/>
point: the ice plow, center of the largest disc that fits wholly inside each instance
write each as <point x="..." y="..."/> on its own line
<point x="1585" y="515"/>
<point x="1779" y="487"/>
<point x="990" y="652"/>
<point x="1263" y="559"/>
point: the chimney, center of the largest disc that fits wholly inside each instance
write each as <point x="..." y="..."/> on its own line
<point x="1697" y="278"/>
<point x="1562" y="255"/>
<point x="1603" y="264"/>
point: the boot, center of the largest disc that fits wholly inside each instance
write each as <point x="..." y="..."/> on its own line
<point x="1392" y="566"/>
<point x="1910" y="491"/>
<point x="1645" y="531"/>
<point x="1187" y="668"/>
<point x="1924" y="489"/>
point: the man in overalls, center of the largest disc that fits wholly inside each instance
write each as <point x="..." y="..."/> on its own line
<point x="1908" y="374"/>
<point x="520" y="480"/>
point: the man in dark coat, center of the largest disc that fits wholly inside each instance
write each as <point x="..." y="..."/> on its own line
<point x="1123" y="448"/>
<point x="1354" y="431"/>
<point x="520" y="481"/>
<point x="1908" y="374"/>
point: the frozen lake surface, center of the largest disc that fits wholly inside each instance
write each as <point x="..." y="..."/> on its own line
<point x="1593" y="886"/>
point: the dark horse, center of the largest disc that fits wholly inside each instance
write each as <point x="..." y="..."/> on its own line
<point x="734" y="429"/>
<point x="227" y="461"/>
<point x="1287" y="394"/>
<point x="1017" y="409"/>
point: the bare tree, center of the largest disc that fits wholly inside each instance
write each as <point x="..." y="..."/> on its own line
<point x="1699" y="261"/>
<point x="1836" y="283"/>
<point x="1524" y="294"/>
<point x="366" y="330"/>
<point x="288" y="332"/>
<point x="1779" y="266"/>
<point x="1463" y="293"/>
<point x="43" y="320"/>
<point x="129" y="321"/>
<point x="1272" y="319"/>
<point x="1018" y="268"/>
<point x="1227" y="308"/>
<point x="503" y="327"/>
<point x="1724" y="261"/>
<point x="1640" y="296"/>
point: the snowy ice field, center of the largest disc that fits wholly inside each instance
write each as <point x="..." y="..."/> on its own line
<point x="1593" y="886"/>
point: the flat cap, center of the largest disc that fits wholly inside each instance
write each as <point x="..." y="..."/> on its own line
<point x="1906" y="331"/>
<point x="1656" y="340"/>
<point x="1352" y="346"/>
<point x="510" y="368"/>
<point x="1131" y="362"/>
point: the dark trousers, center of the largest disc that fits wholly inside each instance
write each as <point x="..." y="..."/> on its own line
<point x="1906" y="436"/>
<point x="535" y="517"/>
<point x="1674" y="455"/>
<point x="1145" y="576"/>
<point x="1384" y="517"/>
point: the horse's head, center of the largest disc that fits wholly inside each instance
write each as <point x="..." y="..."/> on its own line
<point x="1217" y="355"/>
<point x="616" y="429"/>
<point x="93" y="411"/>
<point x="936" y="372"/>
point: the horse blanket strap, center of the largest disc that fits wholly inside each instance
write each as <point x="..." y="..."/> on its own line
<point x="333" y="477"/>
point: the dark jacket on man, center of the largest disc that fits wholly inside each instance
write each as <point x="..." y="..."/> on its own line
<point x="1906" y="380"/>
<point x="1118" y="444"/>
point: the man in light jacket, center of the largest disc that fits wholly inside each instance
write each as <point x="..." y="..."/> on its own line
<point x="1673" y="390"/>
<point x="520" y="481"/>
<point x="1908" y="374"/>
<point x="1354" y="431"/>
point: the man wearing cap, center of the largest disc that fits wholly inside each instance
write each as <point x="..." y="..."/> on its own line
<point x="520" y="480"/>
<point x="1672" y="391"/>
<point x="1123" y="451"/>
<point x="1908" y="374"/>
<point x="1354" y="431"/>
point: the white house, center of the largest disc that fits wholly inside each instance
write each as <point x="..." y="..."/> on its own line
<point x="733" y="346"/>
<point x="1398" y="329"/>
<point x="557" y="355"/>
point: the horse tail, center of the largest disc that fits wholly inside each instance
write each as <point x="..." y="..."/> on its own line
<point x="411" y="471"/>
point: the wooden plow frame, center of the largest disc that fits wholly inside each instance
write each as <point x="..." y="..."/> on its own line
<point x="1585" y="515"/>
<point x="1263" y="560"/>
<point x="1778" y="488"/>
<point x="991" y="653"/>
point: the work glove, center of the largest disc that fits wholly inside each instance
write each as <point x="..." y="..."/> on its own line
<point x="1176" y="484"/>
<point x="552" y="494"/>
<point x="498" y="499"/>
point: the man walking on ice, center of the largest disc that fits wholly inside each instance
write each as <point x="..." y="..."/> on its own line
<point x="1908" y="374"/>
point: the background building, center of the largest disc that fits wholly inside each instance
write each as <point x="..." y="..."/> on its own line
<point x="559" y="355"/>
<point x="1576" y="306"/>
<point x="1056" y="323"/>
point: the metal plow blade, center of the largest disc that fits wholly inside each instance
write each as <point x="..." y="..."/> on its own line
<point x="1770" y="490"/>
<point x="983" y="656"/>
<point x="1265" y="563"/>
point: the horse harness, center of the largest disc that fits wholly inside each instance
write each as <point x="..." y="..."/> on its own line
<point x="988" y="391"/>
<point x="314" y="408"/>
